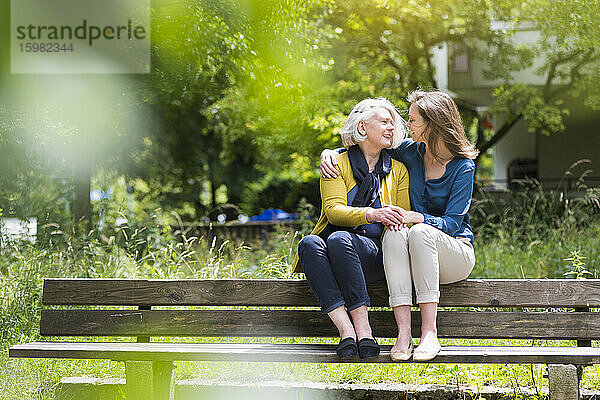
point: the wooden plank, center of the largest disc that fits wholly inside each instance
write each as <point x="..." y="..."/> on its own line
<point x="272" y="292"/>
<point x="177" y="292"/>
<point x="295" y="353"/>
<point x="144" y="339"/>
<point x="303" y="323"/>
<point x="583" y="343"/>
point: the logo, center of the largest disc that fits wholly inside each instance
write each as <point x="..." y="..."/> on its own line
<point x="90" y="33"/>
<point x="80" y="36"/>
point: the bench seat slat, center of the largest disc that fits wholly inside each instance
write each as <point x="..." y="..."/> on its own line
<point x="304" y="323"/>
<point x="294" y="353"/>
<point x="270" y="292"/>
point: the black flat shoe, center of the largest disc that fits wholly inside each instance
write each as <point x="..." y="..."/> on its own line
<point x="347" y="348"/>
<point x="368" y="348"/>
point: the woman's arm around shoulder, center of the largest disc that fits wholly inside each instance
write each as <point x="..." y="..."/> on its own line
<point x="334" y="200"/>
<point x="334" y="197"/>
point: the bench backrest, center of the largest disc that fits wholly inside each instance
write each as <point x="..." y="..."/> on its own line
<point x="489" y="309"/>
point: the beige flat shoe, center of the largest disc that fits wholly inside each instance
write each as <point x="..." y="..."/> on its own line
<point x="428" y="348"/>
<point x="403" y="354"/>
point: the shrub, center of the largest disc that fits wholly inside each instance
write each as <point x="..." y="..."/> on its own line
<point x="532" y="212"/>
<point x="282" y="191"/>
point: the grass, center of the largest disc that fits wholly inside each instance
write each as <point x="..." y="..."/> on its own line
<point x="131" y="253"/>
<point x="504" y="257"/>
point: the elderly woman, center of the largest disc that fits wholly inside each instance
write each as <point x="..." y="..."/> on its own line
<point x="438" y="247"/>
<point x="344" y="252"/>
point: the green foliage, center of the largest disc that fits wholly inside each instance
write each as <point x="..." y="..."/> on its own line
<point x="20" y="296"/>
<point x="524" y="232"/>
<point x="242" y="91"/>
<point x="535" y="256"/>
<point x="578" y="270"/>
<point x="260" y="86"/>
<point x="243" y="95"/>
<point x="23" y="267"/>
<point x="504" y="58"/>
<point x="282" y="190"/>
<point x="532" y="212"/>
<point x="387" y="45"/>
<point x="156" y="250"/>
<point x="29" y="185"/>
<point x="567" y="51"/>
<point x="227" y="95"/>
<point x="569" y="24"/>
<point x="528" y="101"/>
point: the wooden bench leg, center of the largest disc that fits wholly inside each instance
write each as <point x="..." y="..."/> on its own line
<point x="563" y="382"/>
<point x="149" y="380"/>
<point x="164" y="388"/>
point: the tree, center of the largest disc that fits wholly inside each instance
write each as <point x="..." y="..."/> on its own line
<point x="26" y="186"/>
<point x="568" y="45"/>
<point x="385" y="48"/>
<point x="221" y="93"/>
<point x="66" y="125"/>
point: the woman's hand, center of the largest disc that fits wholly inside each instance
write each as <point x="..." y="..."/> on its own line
<point x="388" y="215"/>
<point x="328" y="162"/>
<point x="412" y="217"/>
<point x="394" y="217"/>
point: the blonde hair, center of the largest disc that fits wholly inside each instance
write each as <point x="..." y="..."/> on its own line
<point x="444" y="124"/>
<point x="363" y="111"/>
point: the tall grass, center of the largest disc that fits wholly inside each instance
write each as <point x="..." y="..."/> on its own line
<point x="532" y="232"/>
<point x="532" y="213"/>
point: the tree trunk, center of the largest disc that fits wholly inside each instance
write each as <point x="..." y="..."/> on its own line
<point x="413" y="61"/>
<point x="499" y="134"/>
<point x="213" y="188"/>
<point x="480" y="138"/>
<point x="83" y="206"/>
<point x="198" y="206"/>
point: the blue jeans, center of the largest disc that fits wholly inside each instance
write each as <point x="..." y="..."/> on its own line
<point x="339" y="269"/>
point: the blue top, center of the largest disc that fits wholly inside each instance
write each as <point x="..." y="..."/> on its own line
<point x="445" y="201"/>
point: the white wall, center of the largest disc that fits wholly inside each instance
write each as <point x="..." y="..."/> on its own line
<point x="581" y="140"/>
<point x="528" y="75"/>
<point x="439" y="58"/>
<point x="518" y="143"/>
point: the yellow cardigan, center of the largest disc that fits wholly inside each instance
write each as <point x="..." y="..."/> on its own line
<point x="393" y="190"/>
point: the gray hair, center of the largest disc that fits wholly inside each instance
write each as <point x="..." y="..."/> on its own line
<point x="365" y="110"/>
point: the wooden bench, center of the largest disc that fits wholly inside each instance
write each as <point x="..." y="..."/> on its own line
<point x="473" y="309"/>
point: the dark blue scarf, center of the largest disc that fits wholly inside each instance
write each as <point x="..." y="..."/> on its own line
<point x="368" y="182"/>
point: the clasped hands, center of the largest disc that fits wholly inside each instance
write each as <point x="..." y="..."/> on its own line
<point x="394" y="217"/>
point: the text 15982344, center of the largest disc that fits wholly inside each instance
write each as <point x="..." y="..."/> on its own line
<point x="45" y="47"/>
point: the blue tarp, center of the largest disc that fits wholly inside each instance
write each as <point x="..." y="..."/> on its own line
<point x="273" y="214"/>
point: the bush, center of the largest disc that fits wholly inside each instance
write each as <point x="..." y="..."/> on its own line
<point x="532" y="212"/>
<point x="282" y="191"/>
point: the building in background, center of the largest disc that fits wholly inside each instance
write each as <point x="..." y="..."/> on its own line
<point x="523" y="153"/>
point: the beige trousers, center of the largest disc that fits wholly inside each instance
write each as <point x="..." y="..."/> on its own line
<point x="424" y="256"/>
